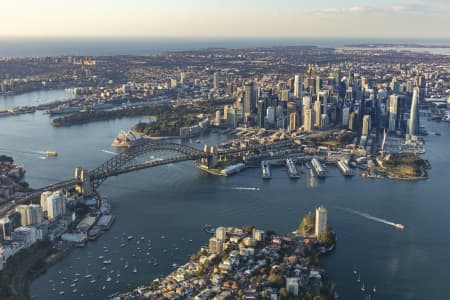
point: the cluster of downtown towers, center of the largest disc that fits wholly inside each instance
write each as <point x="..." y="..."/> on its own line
<point x="317" y="103"/>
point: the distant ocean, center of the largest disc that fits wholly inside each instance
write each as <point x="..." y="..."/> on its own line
<point x="34" y="47"/>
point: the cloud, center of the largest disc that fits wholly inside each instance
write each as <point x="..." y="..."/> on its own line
<point x="418" y="7"/>
<point x="354" y="9"/>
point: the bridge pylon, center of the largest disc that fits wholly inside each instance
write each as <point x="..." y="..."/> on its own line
<point x="211" y="159"/>
<point x="85" y="188"/>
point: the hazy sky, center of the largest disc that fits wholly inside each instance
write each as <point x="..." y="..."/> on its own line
<point x="226" y="18"/>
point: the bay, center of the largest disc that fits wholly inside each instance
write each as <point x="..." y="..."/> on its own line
<point x="175" y="201"/>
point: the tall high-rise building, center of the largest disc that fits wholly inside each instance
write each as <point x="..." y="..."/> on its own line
<point x="323" y="121"/>
<point x="284" y="95"/>
<point x="5" y="229"/>
<point x="317" y="113"/>
<point x="345" y="116"/>
<point x="271" y="115"/>
<point x="30" y="214"/>
<point x="413" y="125"/>
<point x="229" y="115"/>
<point x="307" y="120"/>
<point x="249" y="98"/>
<point x="291" y="107"/>
<point x="298" y="87"/>
<point x="392" y="109"/>
<point x="306" y="101"/>
<point x="323" y="97"/>
<point x="216" y="81"/>
<point x="317" y="85"/>
<point x="321" y="220"/>
<point x="260" y="113"/>
<point x="54" y="204"/>
<point x="366" y="125"/>
<point x="293" y="121"/>
<point x="352" y="121"/>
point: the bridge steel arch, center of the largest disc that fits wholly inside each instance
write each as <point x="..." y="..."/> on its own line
<point x="118" y="164"/>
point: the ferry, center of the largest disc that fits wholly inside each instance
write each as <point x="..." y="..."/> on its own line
<point x="125" y="139"/>
<point x="51" y="153"/>
<point x="399" y="226"/>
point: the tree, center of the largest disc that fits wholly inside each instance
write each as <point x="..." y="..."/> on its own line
<point x="284" y="295"/>
<point x="276" y="280"/>
<point x="307" y="224"/>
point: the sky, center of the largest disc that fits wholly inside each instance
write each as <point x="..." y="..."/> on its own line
<point x="225" y="18"/>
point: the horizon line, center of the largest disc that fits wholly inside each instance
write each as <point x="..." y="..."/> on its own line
<point x="402" y="38"/>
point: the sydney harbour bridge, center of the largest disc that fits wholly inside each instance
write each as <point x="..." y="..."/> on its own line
<point x="143" y="155"/>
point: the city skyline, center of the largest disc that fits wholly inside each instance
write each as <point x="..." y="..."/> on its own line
<point x="175" y="18"/>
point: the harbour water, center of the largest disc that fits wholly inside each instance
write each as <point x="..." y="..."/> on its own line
<point x="169" y="206"/>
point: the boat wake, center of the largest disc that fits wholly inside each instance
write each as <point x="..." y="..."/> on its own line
<point x="242" y="188"/>
<point x="370" y="217"/>
<point x="109" y="152"/>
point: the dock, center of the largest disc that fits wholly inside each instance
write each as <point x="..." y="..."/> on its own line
<point x="318" y="168"/>
<point x="344" y="167"/>
<point x="292" y="169"/>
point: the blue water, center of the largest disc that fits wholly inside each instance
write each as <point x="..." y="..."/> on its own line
<point x="177" y="200"/>
<point x="31" y="47"/>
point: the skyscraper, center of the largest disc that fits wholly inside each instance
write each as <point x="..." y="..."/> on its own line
<point x="413" y="117"/>
<point x="293" y="121"/>
<point x="317" y="113"/>
<point x="393" y="105"/>
<point x="54" y="204"/>
<point x="307" y="121"/>
<point x="30" y="214"/>
<point x="321" y="220"/>
<point x="323" y="97"/>
<point x="215" y="81"/>
<point x="345" y="116"/>
<point x="249" y="98"/>
<point x="366" y="125"/>
<point x="298" y="87"/>
<point x="260" y="113"/>
<point x="317" y="85"/>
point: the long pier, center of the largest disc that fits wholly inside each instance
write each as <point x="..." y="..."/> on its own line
<point x="292" y="169"/>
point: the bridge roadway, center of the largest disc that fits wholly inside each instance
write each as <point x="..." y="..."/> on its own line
<point x="23" y="199"/>
<point x="117" y="165"/>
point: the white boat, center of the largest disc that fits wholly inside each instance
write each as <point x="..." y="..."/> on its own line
<point x="108" y="279"/>
<point x="126" y="265"/>
<point x="88" y="276"/>
<point x="103" y="287"/>
<point x="134" y="270"/>
<point x="174" y="265"/>
<point x="74" y="291"/>
<point x="130" y="237"/>
<point x="107" y="262"/>
<point x="363" y="288"/>
<point x="374" y="289"/>
<point x="359" y="278"/>
<point x="61" y="292"/>
<point x="93" y="281"/>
